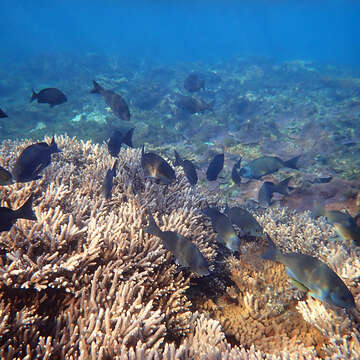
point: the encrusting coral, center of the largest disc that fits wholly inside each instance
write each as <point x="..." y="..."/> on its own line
<point x="86" y="282"/>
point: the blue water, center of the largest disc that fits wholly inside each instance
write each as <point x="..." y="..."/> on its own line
<point x="326" y="31"/>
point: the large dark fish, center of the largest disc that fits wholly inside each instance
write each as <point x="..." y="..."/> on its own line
<point x="235" y="173"/>
<point x="186" y="253"/>
<point x="117" y="138"/>
<point x="266" y="165"/>
<point x="194" y="83"/>
<point x="2" y="114"/>
<point x="9" y="216"/>
<point x="188" y="167"/>
<point x="108" y="181"/>
<point x="215" y="166"/>
<point x="113" y="100"/>
<point x="222" y="225"/>
<point x="33" y="160"/>
<point x="51" y="96"/>
<point x="156" y="167"/>
<point x="268" y="188"/>
<point x="193" y="106"/>
<point x="312" y="275"/>
<point x="5" y="177"/>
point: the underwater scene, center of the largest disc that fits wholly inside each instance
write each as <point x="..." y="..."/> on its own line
<point x="180" y="180"/>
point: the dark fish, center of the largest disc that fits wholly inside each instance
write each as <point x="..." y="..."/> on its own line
<point x="5" y="177"/>
<point x="8" y="216"/>
<point x="245" y="221"/>
<point x="266" y="165"/>
<point x="188" y="167"/>
<point x="186" y="253"/>
<point x="268" y="188"/>
<point x="222" y="225"/>
<point x="312" y="275"/>
<point x="193" y="106"/>
<point x="33" y="160"/>
<point x="51" y="96"/>
<point x="2" y="114"/>
<point x="235" y="174"/>
<point x="194" y="83"/>
<point x="108" y="181"/>
<point x="156" y="167"/>
<point x="117" y="138"/>
<point x="215" y="166"/>
<point x="113" y="100"/>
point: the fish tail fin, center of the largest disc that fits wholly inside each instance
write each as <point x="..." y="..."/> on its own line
<point x="53" y="146"/>
<point x="178" y="160"/>
<point x="26" y="211"/>
<point x="272" y="251"/>
<point x="292" y="163"/>
<point x="114" y="167"/>
<point x="282" y="187"/>
<point x="152" y="229"/>
<point x="33" y="96"/>
<point x="128" y="137"/>
<point x="97" y="89"/>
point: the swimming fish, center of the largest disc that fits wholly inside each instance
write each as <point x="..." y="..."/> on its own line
<point x="113" y="100"/>
<point x="222" y="225"/>
<point x="9" y="216"/>
<point x="194" y="83"/>
<point x="33" y="160"/>
<point x="188" y="167"/>
<point x="2" y="114"/>
<point x="156" y="167"/>
<point x="117" y="138"/>
<point x="51" y="96"/>
<point x="266" y="165"/>
<point x="193" y="106"/>
<point x="215" y="166"/>
<point x="5" y="177"/>
<point x="268" y="188"/>
<point x="108" y="181"/>
<point x="244" y="220"/>
<point x="312" y="275"/>
<point x="185" y="252"/>
<point x="235" y="174"/>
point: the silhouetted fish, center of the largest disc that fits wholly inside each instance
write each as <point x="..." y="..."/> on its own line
<point x="108" y="181"/>
<point x="266" y="165"/>
<point x="193" y="105"/>
<point x="117" y="138"/>
<point x="234" y="173"/>
<point x="186" y="253"/>
<point x="51" y="96"/>
<point x="188" y="167"/>
<point x="156" y="167"/>
<point x="312" y="275"/>
<point x="194" y="83"/>
<point x="5" y="177"/>
<point x="113" y="100"/>
<point x="268" y="188"/>
<point x="2" y="114"/>
<point x="8" y="216"/>
<point x="215" y="166"/>
<point x="33" y="160"/>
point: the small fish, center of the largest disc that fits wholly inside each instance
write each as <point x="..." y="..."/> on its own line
<point x="185" y="252"/>
<point x="193" y="106"/>
<point x="312" y="275"/>
<point x="266" y="165"/>
<point x="245" y="221"/>
<point x="222" y="225"/>
<point x="108" y="181"/>
<point x="2" y="114"/>
<point x="188" y="167"/>
<point x="33" y="160"/>
<point x="117" y="138"/>
<point x="51" y="96"/>
<point x="113" y="100"/>
<point x="5" y="177"/>
<point x="156" y="167"/>
<point x="234" y="173"/>
<point x="194" y="83"/>
<point x="268" y="188"/>
<point x="9" y="216"/>
<point x="215" y="166"/>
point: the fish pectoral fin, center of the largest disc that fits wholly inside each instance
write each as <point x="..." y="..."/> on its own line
<point x="299" y="285"/>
